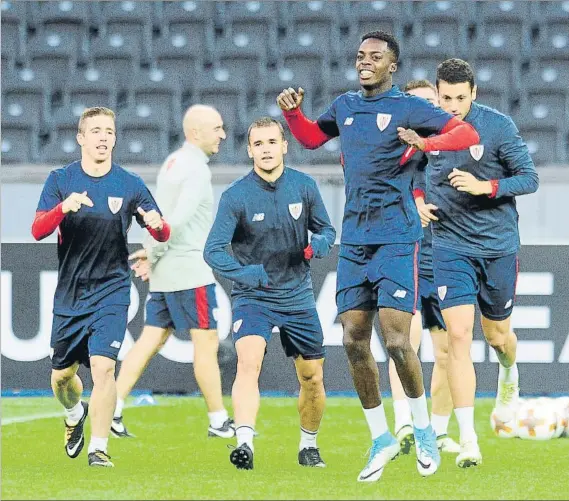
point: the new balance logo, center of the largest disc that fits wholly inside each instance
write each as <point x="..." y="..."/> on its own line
<point x="349" y="121"/>
<point x="116" y="344"/>
<point x="259" y="217"/>
<point x="400" y="293"/>
<point x="508" y="304"/>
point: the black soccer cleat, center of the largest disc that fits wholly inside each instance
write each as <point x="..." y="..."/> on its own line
<point x="310" y="456"/>
<point x="100" y="459"/>
<point x="227" y="430"/>
<point x="118" y="429"/>
<point x="242" y="457"/>
<point x="74" y="436"/>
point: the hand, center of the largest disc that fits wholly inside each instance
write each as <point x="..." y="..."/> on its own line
<point x="289" y="99"/>
<point x="74" y="202"/>
<point x="319" y="246"/>
<point x="410" y="137"/>
<point x="151" y="218"/>
<point x="141" y="269"/>
<point x="139" y="254"/>
<point x="308" y="252"/>
<point x="426" y="212"/>
<point x="465" y="181"/>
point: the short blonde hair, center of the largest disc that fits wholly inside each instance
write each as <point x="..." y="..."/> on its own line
<point x="265" y="122"/>
<point x="94" y="112"/>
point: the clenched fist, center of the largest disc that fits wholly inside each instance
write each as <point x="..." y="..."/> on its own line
<point x="289" y="99"/>
<point x="151" y="218"/>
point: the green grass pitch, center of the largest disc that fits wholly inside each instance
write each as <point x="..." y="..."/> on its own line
<point x="172" y="458"/>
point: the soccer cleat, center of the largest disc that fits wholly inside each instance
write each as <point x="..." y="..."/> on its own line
<point x="507" y="400"/>
<point x="310" y="456"/>
<point x="428" y="456"/>
<point x="100" y="459"/>
<point x="118" y="429"/>
<point x="469" y="455"/>
<point x="447" y="444"/>
<point x="242" y="457"/>
<point x="74" y="437"/>
<point x="405" y="438"/>
<point x="384" y="448"/>
<point x="227" y="430"/>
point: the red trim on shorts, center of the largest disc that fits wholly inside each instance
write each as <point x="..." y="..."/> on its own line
<point x="416" y="276"/>
<point x="202" y="307"/>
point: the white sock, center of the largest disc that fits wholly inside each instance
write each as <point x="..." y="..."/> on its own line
<point x="217" y="418"/>
<point x="98" y="444"/>
<point x="440" y="424"/>
<point x="402" y="414"/>
<point x="73" y="415"/>
<point x="245" y="435"/>
<point x="508" y="374"/>
<point x="307" y="439"/>
<point x="376" y="421"/>
<point x="119" y="408"/>
<point x="465" y="418"/>
<point x="419" y="411"/>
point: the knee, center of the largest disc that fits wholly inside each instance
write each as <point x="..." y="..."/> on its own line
<point x="397" y="346"/>
<point x="248" y="367"/>
<point x="356" y="340"/>
<point x="102" y="370"/>
<point x="311" y="379"/>
<point x="61" y="378"/>
<point x="497" y="335"/>
<point x="459" y="334"/>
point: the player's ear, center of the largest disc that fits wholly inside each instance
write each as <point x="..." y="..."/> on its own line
<point x="392" y="67"/>
<point x="474" y="90"/>
<point x="249" y="151"/>
<point x="80" y="138"/>
<point x="285" y="146"/>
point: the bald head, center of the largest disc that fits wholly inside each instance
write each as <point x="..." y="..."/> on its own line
<point x="203" y="127"/>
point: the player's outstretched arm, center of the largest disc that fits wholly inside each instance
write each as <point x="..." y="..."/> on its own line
<point x="216" y="253"/>
<point x="323" y="233"/>
<point x="306" y="132"/>
<point x="514" y="153"/>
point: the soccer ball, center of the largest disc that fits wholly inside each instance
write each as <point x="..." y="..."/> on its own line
<point x="537" y="419"/>
<point x="562" y="407"/>
<point x="503" y="427"/>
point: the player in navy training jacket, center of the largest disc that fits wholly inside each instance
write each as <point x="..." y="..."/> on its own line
<point x="475" y="244"/>
<point x="379" y="248"/>
<point x="265" y="217"/>
<point x="92" y="203"/>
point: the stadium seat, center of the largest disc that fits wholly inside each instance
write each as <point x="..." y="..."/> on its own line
<point x="547" y="145"/>
<point x="14" y="15"/>
<point x="55" y="54"/>
<point x="117" y="57"/>
<point x="329" y="153"/>
<point x="494" y="98"/>
<point x="161" y="95"/>
<point x="342" y="79"/>
<point x="27" y="94"/>
<point x="363" y="17"/>
<point x="445" y="22"/>
<point x="258" y="21"/>
<point x="129" y="19"/>
<point x="88" y="89"/>
<point x="553" y="46"/>
<point x="72" y="18"/>
<point x="142" y="136"/>
<point x="178" y="64"/>
<point x="244" y="57"/>
<point x="498" y="71"/>
<point x="194" y="20"/>
<point x="552" y="17"/>
<point x="61" y="149"/>
<point x="425" y="51"/>
<point x="20" y="137"/>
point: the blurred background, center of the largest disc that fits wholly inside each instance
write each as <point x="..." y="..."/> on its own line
<point x="150" y="60"/>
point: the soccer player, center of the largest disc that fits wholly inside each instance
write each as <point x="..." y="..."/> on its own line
<point x="182" y="286"/>
<point x="92" y="203"/>
<point x="265" y="216"/>
<point x="472" y="205"/>
<point x="428" y="317"/>
<point x="377" y="267"/>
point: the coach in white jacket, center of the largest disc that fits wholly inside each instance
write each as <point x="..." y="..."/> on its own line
<point x="182" y="286"/>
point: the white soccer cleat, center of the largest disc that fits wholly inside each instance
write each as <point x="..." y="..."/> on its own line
<point x="406" y="438"/>
<point x="428" y="455"/>
<point x="469" y="455"/>
<point x="447" y="444"/>
<point x="384" y="449"/>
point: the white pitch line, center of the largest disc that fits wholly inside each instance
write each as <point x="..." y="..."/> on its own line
<point x="45" y="415"/>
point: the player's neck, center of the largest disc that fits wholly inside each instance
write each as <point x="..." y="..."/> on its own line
<point x="270" y="176"/>
<point x="380" y="89"/>
<point x="95" y="169"/>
